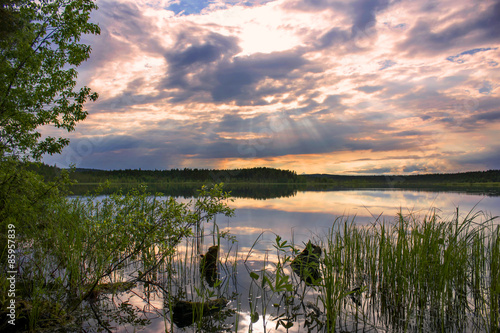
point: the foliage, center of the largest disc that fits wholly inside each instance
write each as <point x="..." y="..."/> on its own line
<point x="25" y="198"/>
<point x="38" y="57"/>
<point x="82" y="244"/>
<point x="9" y="20"/>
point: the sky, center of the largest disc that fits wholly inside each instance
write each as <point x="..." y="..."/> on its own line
<point x="315" y="86"/>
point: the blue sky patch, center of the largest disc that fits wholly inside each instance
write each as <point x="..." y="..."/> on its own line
<point x="188" y="7"/>
<point x="386" y="64"/>
<point x="458" y="58"/>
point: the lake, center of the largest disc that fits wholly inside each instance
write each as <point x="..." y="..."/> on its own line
<point x="310" y="213"/>
<point x="251" y="252"/>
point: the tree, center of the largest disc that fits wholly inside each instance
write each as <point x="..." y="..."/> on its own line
<point x="8" y="18"/>
<point x="39" y="53"/>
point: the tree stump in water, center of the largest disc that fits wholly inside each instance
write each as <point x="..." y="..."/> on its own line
<point x="306" y="264"/>
<point x="208" y="266"/>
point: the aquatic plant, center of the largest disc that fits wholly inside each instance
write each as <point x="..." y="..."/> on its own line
<point x="416" y="275"/>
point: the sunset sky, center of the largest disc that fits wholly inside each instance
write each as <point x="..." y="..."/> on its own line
<point x="318" y="86"/>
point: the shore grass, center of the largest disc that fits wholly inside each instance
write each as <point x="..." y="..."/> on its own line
<point x="408" y="275"/>
<point x="414" y="274"/>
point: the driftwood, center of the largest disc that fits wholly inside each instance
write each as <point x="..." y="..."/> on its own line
<point x="306" y="264"/>
<point x="186" y="313"/>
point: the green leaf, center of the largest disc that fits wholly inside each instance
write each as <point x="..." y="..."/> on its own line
<point x="38" y="71"/>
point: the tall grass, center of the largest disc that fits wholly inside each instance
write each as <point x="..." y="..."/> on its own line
<point x="413" y="275"/>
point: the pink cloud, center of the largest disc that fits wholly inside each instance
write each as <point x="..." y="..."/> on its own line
<point x="393" y="82"/>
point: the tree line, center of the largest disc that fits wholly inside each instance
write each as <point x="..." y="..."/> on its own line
<point x="129" y="176"/>
<point x="463" y="178"/>
<point x="267" y="176"/>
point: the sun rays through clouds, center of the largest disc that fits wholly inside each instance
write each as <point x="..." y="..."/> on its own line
<point x="357" y="87"/>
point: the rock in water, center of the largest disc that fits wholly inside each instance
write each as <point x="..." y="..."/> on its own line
<point x="306" y="264"/>
<point x="208" y="265"/>
<point x="186" y="313"/>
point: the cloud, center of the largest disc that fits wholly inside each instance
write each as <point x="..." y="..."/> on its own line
<point x="192" y="60"/>
<point x="364" y="14"/>
<point x="488" y="158"/>
<point x="473" y="25"/>
<point x="202" y="64"/>
<point x="314" y="5"/>
<point x="238" y="81"/>
<point x="287" y="83"/>
<point x="486" y="116"/>
<point x="374" y="171"/>
<point x="370" y="89"/>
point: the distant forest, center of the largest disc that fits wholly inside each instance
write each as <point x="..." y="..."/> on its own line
<point x="266" y="176"/>
<point x="129" y="176"/>
<point x="490" y="177"/>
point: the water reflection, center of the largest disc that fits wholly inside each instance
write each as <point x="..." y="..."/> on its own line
<point x="242" y="267"/>
<point x="311" y="213"/>
<point x="272" y="191"/>
<point x="364" y="203"/>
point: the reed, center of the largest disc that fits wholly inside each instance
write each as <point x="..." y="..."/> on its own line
<point x="413" y="275"/>
<point x="409" y="275"/>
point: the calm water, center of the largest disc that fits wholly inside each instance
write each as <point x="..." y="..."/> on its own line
<point x="298" y="218"/>
<point x="310" y="214"/>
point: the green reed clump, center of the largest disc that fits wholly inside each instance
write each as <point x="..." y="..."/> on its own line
<point x="422" y="275"/>
<point x="493" y="259"/>
<point x="339" y="269"/>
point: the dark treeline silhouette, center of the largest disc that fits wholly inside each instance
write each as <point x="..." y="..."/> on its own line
<point x="190" y="190"/>
<point x="243" y="182"/>
<point x="253" y="175"/>
<point x="94" y="176"/>
<point x="462" y="178"/>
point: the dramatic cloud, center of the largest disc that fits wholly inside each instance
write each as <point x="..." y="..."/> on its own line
<point x="331" y="86"/>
